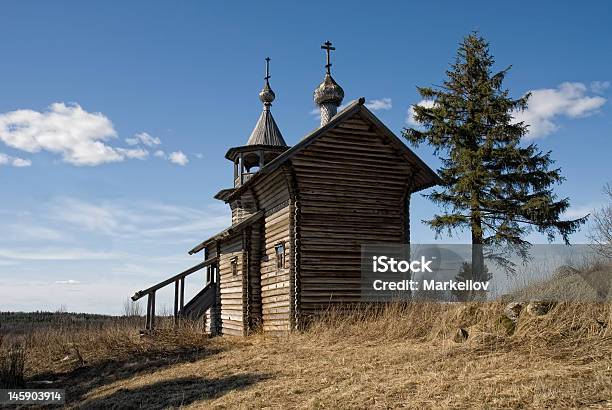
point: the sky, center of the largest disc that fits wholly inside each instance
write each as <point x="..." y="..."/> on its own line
<point x="115" y="118"/>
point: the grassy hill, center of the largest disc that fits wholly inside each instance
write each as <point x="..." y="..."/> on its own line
<point x="420" y="355"/>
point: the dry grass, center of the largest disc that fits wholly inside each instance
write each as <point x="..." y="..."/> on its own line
<point x="386" y="357"/>
<point x="590" y="283"/>
<point x="12" y="362"/>
<point x="397" y="356"/>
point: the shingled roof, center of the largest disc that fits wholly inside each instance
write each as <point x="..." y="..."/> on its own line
<point x="266" y="131"/>
<point x="426" y="177"/>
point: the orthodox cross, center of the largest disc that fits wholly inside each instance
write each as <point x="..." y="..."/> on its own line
<point x="327" y="46"/>
<point x="267" y="69"/>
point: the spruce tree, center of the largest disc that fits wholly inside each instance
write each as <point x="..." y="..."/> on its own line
<point x="464" y="275"/>
<point x="494" y="185"/>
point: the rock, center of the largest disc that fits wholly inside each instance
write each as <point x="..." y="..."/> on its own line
<point x="508" y="324"/>
<point x="510" y="318"/>
<point x="461" y="335"/>
<point x="539" y="308"/>
<point x="513" y="310"/>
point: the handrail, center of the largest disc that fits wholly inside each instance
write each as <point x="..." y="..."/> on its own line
<point x="179" y="293"/>
<point x="174" y="278"/>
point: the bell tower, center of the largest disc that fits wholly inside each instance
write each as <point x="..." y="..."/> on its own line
<point x="265" y="143"/>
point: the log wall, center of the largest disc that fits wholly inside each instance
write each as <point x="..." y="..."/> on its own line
<point x="231" y="287"/>
<point x="352" y="188"/>
<point x="243" y="207"/>
<point x="253" y="296"/>
<point x="273" y="197"/>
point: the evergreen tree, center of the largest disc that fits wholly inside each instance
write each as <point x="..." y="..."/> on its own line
<point x="492" y="185"/>
<point x="465" y="274"/>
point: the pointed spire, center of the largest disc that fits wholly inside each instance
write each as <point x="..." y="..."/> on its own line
<point x="266" y="131"/>
<point x="328" y="95"/>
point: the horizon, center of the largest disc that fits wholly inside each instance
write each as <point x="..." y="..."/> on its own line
<point x="110" y="174"/>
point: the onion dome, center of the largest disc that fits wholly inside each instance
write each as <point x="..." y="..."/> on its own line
<point x="328" y="92"/>
<point x="266" y="96"/>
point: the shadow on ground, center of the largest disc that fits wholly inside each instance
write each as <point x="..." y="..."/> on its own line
<point x="82" y="380"/>
<point x="173" y="393"/>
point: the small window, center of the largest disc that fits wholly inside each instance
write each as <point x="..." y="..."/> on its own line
<point x="280" y="256"/>
<point x="234" y="265"/>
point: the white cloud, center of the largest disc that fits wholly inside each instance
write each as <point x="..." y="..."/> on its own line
<point x="67" y="282"/>
<point x="26" y="232"/>
<point x="178" y="158"/>
<point x="14" y="161"/>
<point x="55" y="254"/>
<point x="144" y="138"/>
<point x="546" y="105"/>
<point x="85" y="215"/>
<point x="160" y="154"/>
<point x="69" y="130"/>
<point x="381" y="104"/>
<point x="20" y="162"/>
<point x="410" y="120"/>
<point x="199" y="155"/>
<point x="598" y="87"/>
<point x="136" y="153"/>
<point x="80" y="137"/>
<point x="579" y="211"/>
<point x="132" y="220"/>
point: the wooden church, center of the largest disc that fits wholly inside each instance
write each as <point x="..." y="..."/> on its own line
<point x="299" y="217"/>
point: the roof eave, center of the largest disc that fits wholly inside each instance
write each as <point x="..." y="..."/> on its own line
<point x="227" y="233"/>
<point x="224" y="193"/>
<point x="231" y="153"/>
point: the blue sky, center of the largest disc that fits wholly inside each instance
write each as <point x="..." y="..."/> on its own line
<point x="115" y="116"/>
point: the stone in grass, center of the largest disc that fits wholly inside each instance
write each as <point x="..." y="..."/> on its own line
<point x="461" y="335"/>
<point x="513" y="310"/>
<point x="508" y="324"/>
<point x="509" y="319"/>
<point x="539" y="307"/>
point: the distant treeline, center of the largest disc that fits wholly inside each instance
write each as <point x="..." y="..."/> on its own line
<point x="25" y="322"/>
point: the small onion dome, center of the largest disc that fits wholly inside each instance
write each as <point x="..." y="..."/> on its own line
<point x="328" y="92"/>
<point x="267" y="95"/>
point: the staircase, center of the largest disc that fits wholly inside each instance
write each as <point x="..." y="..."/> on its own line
<point x="196" y="307"/>
<point x="204" y="300"/>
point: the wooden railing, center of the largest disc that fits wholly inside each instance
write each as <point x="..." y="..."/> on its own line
<point x="179" y="293"/>
<point x="245" y="177"/>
